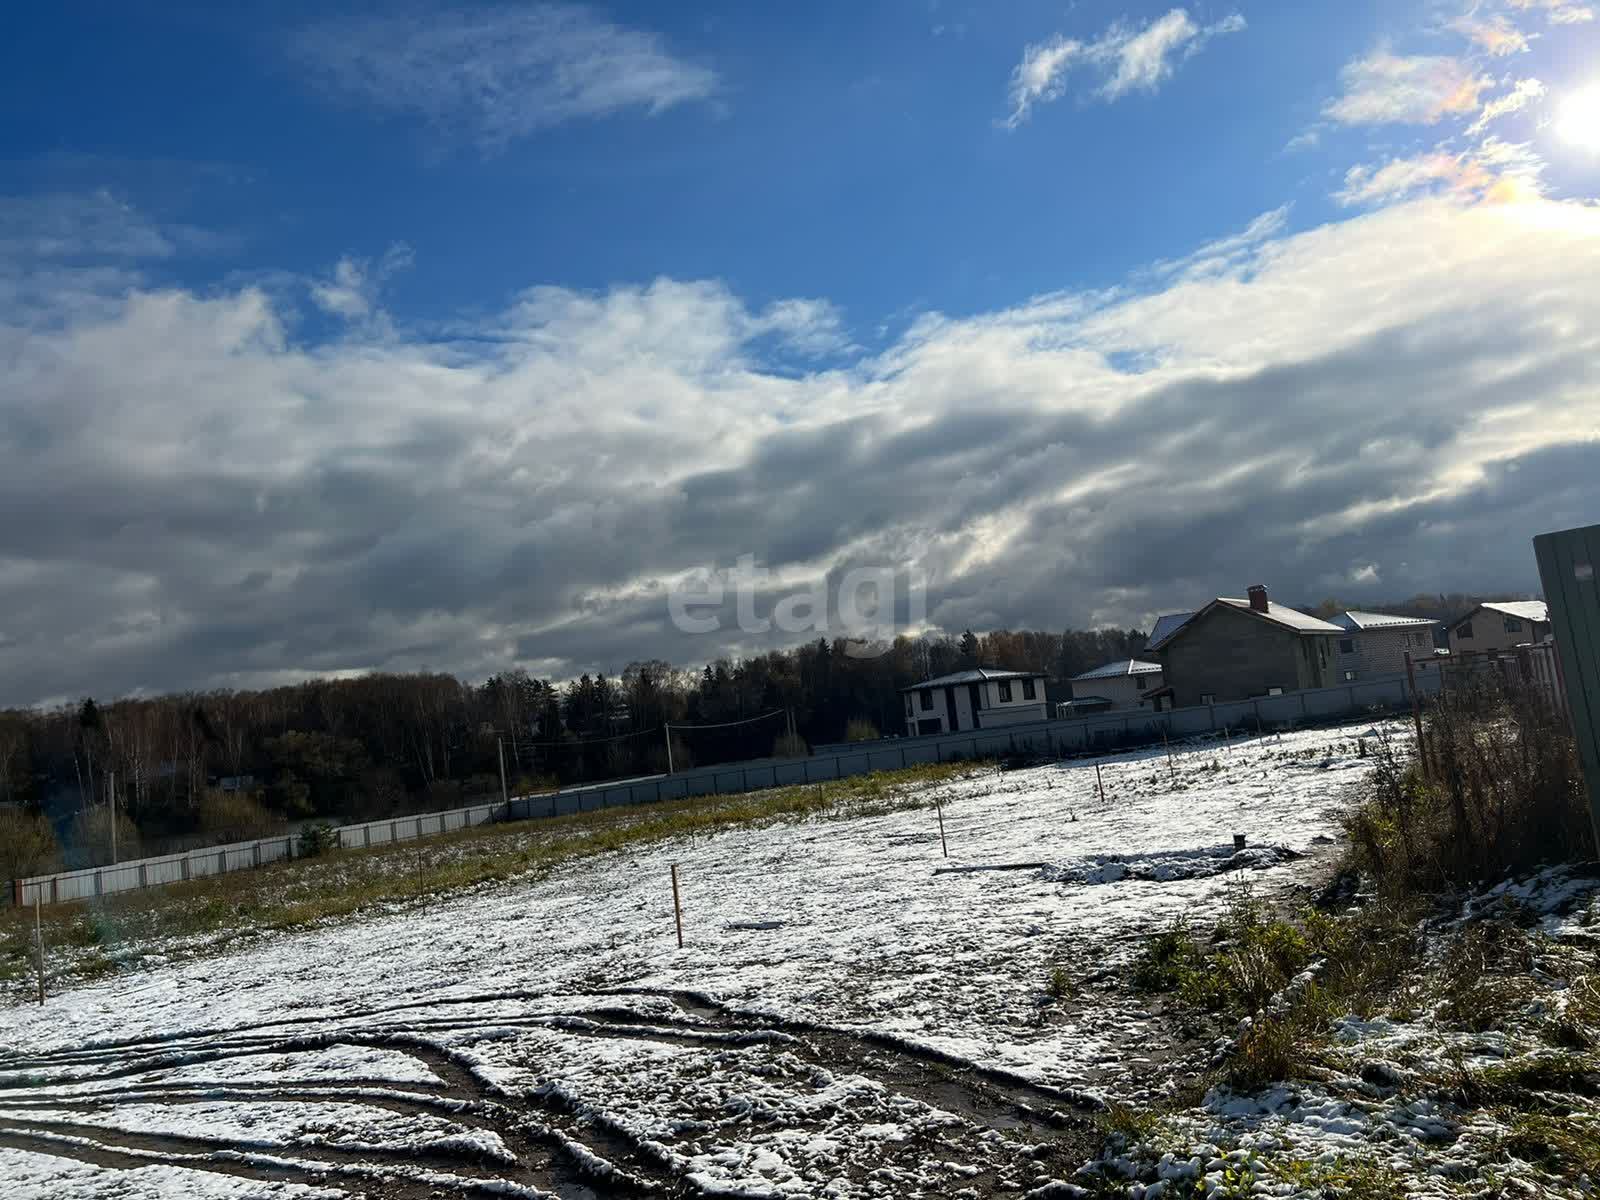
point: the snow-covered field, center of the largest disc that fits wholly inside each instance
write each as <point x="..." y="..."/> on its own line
<point x="848" y="1016"/>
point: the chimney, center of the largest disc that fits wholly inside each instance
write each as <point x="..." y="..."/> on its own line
<point x="1258" y="598"/>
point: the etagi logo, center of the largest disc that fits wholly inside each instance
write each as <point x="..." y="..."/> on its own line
<point x="859" y="607"/>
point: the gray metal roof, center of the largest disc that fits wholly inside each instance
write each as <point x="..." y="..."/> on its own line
<point x="1282" y="614"/>
<point x="1166" y="626"/>
<point x="1118" y="669"/>
<point x="1354" y="620"/>
<point x="977" y="675"/>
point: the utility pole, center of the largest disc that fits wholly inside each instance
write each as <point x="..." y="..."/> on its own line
<point x="505" y="796"/>
<point x="113" y="801"/>
<point x="667" y="729"/>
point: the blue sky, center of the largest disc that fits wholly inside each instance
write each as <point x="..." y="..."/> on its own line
<point x="452" y="336"/>
<point x="847" y="150"/>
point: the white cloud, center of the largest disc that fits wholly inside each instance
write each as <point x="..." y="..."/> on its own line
<point x="1384" y="88"/>
<point x="352" y="291"/>
<point x="198" y="496"/>
<point x="1559" y="12"/>
<point x="1041" y="75"/>
<point x="1519" y="97"/>
<point x="1493" y="34"/>
<point x="1127" y="59"/>
<point x="501" y="73"/>
<point x="78" y="226"/>
<point x="1494" y="170"/>
<point x="1395" y="179"/>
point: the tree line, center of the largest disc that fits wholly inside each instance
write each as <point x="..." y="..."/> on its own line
<point x="195" y="763"/>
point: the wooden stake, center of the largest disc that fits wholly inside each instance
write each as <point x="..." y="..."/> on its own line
<point x="38" y="935"/>
<point x="1099" y="783"/>
<point x="1171" y="766"/>
<point x="677" y="905"/>
<point x="939" y="812"/>
<point x="1416" y="711"/>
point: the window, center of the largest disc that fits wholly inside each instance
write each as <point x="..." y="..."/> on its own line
<point x="1513" y="625"/>
<point x="1421" y="640"/>
<point x="1005" y="691"/>
<point x="1027" y="690"/>
<point x="1349" y="676"/>
<point x="1271" y="691"/>
<point x="927" y="699"/>
<point x="1347" y="645"/>
<point x="1208" y="697"/>
<point x="1141" y="682"/>
<point x="1464" y="630"/>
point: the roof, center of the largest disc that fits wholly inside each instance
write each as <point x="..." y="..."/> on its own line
<point x="1527" y="610"/>
<point x="1117" y="670"/>
<point x="1166" y="626"/>
<point x="1282" y="614"/>
<point x="1354" y="620"/>
<point x="1083" y="700"/>
<point x="977" y="675"/>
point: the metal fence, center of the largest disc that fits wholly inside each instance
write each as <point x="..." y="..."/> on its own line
<point x="1101" y="732"/>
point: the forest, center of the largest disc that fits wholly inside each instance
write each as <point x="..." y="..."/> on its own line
<point x="195" y="768"/>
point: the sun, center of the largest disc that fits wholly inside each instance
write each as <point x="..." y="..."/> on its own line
<point x="1578" y="120"/>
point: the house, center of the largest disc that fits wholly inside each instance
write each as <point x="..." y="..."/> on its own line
<point x="1500" y="625"/>
<point x="1239" y="649"/>
<point x="976" y="699"/>
<point x="1376" y="644"/>
<point x="1126" y="683"/>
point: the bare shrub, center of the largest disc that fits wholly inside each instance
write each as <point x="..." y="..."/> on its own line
<point x="861" y="730"/>
<point x="28" y="845"/>
<point x="1500" y="792"/>
<point x="789" y="745"/>
<point x="242" y="812"/>
<point x="90" y="840"/>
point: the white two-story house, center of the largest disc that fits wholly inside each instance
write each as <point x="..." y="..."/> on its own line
<point x="977" y="699"/>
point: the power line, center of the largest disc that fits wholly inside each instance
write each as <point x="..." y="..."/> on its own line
<point x="728" y="724"/>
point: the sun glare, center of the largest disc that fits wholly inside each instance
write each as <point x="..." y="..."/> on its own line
<point x="1578" y="120"/>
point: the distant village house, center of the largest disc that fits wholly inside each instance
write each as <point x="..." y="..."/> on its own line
<point x="1239" y="649"/>
<point x="1500" y="625"/>
<point x="975" y="699"/>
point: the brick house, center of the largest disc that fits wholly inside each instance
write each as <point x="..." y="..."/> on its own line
<point x="1239" y="649"/>
<point x="1376" y="644"/>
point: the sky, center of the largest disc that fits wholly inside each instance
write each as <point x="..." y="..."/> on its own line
<point x="340" y="337"/>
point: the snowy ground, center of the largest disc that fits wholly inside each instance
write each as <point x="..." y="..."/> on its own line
<point x="848" y="1016"/>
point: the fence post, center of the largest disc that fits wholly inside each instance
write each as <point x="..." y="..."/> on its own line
<point x="99" y="883"/>
<point x="366" y="836"/>
<point x="255" y="854"/>
<point x="143" y="878"/>
<point x="55" y="889"/>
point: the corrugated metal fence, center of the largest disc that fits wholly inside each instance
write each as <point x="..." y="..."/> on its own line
<point x="1057" y="738"/>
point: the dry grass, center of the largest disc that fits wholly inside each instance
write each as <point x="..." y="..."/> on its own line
<point x="1499" y="791"/>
